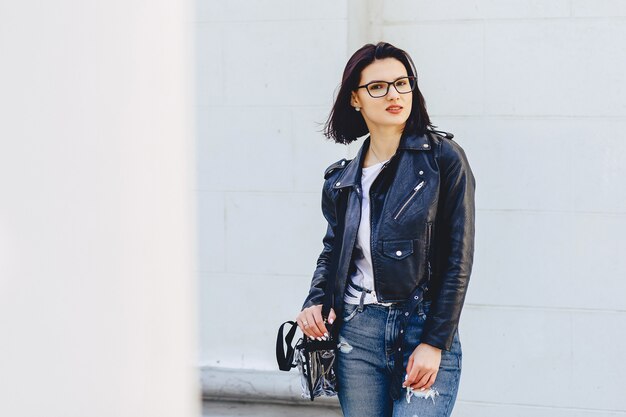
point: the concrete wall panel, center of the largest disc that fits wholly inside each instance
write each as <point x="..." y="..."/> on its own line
<point x="568" y="67"/>
<point x="451" y="78"/>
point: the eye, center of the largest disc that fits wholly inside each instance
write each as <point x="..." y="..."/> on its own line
<point x="401" y="83"/>
<point x="377" y="86"/>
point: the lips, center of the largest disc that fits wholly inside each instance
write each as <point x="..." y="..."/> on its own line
<point x="394" y="109"/>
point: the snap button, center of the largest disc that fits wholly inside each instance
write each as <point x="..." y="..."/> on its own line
<point x="343" y="163"/>
<point x="399" y="349"/>
<point x="338" y="184"/>
<point x="416" y="297"/>
<point x="425" y="145"/>
<point x="401" y="331"/>
<point x="406" y="314"/>
<point x="421" y="172"/>
<point x="399" y="253"/>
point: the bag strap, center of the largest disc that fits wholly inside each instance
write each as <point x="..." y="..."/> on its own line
<point x="285" y="361"/>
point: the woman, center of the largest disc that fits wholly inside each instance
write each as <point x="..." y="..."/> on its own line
<point x="398" y="248"/>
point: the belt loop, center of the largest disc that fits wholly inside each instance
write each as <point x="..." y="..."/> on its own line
<point x="420" y="308"/>
<point x="360" y="308"/>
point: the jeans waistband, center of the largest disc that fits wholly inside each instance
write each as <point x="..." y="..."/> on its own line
<point x="364" y="291"/>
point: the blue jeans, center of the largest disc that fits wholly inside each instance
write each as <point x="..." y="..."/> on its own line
<point x="365" y="361"/>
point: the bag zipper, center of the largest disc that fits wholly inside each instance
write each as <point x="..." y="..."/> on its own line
<point x="415" y="191"/>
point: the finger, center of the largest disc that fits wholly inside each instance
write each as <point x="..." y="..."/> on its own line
<point x="303" y="322"/>
<point x="431" y="380"/>
<point x="314" y="331"/>
<point x="319" y="320"/>
<point x="409" y="366"/>
<point x="300" y="322"/>
<point x="306" y="325"/>
<point x="415" y="374"/>
<point x="303" y="328"/>
<point x="421" y="381"/>
<point x="332" y="316"/>
<point x="300" y="318"/>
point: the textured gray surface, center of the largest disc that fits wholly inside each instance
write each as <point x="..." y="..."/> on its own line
<point x="267" y="393"/>
<point x="224" y="385"/>
<point x="230" y="409"/>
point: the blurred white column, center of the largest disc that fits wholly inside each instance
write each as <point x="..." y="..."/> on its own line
<point x="97" y="241"/>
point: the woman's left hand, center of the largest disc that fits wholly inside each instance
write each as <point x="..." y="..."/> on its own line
<point x="422" y="367"/>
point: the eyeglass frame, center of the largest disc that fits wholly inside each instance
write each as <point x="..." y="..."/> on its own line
<point x="389" y="84"/>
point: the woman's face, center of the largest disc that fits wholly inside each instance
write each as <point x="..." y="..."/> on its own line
<point x="378" y="112"/>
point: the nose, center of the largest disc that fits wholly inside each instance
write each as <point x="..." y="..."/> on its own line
<point x="392" y="94"/>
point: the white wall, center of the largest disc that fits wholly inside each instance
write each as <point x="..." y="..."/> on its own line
<point x="97" y="256"/>
<point x="534" y="91"/>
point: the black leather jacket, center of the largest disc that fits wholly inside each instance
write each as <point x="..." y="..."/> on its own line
<point x="422" y="229"/>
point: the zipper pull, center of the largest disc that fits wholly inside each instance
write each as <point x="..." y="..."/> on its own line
<point x="420" y="185"/>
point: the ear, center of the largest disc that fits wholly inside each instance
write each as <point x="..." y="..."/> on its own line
<point x="354" y="100"/>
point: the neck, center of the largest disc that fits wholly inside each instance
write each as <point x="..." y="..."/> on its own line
<point x="385" y="141"/>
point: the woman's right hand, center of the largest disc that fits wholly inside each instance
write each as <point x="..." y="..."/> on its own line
<point x="311" y="323"/>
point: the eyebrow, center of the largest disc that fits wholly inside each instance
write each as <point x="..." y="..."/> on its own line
<point x="378" y="81"/>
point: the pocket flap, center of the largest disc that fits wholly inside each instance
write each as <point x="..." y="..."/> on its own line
<point x="397" y="249"/>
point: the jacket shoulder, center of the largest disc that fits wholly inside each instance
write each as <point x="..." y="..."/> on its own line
<point x="449" y="150"/>
<point x="335" y="167"/>
<point x="453" y="160"/>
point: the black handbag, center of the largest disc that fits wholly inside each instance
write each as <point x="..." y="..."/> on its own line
<point x="315" y="360"/>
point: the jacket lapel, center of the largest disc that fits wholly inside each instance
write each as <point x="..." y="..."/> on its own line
<point x="351" y="174"/>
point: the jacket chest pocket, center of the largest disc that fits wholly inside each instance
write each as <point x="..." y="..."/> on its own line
<point x="397" y="249"/>
<point x="411" y="199"/>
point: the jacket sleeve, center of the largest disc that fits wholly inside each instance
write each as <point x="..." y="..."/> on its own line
<point x="318" y="282"/>
<point x="454" y="246"/>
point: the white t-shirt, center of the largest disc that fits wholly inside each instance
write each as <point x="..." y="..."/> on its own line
<point x="363" y="275"/>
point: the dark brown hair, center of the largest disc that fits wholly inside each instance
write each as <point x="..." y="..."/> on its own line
<point x="344" y="124"/>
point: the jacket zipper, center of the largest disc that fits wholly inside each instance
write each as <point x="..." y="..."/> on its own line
<point x="415" y="191"/>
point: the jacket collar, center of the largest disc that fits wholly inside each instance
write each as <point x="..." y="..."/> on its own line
<point x="351" y="174"/>
<point x="415" y="142"/>
<point x="352" y="171"/>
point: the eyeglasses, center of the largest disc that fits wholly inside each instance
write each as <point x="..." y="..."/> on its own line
<point x="378" y="89"/>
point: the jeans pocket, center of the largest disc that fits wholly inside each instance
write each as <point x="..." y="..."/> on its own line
<point x="349" y="311"/>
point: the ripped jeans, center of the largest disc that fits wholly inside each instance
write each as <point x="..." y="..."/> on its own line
<point x="365" y="361"/>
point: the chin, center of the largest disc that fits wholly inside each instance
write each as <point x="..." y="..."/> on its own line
<point x="394" y="121"/>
